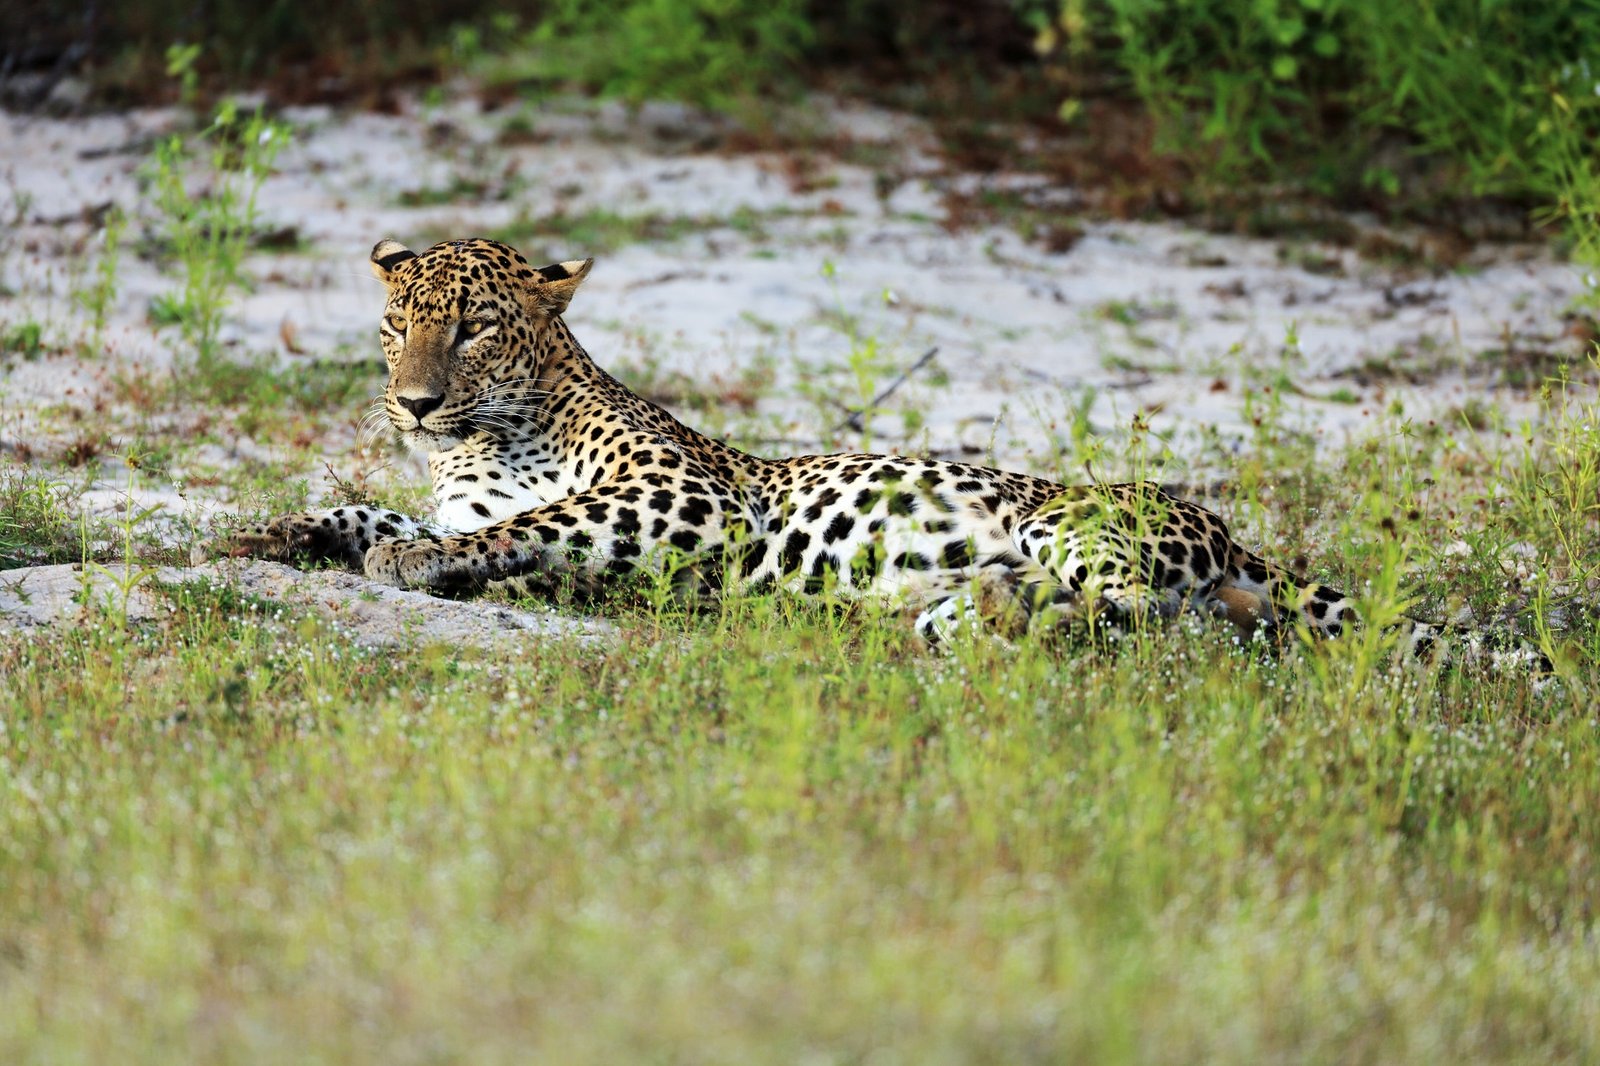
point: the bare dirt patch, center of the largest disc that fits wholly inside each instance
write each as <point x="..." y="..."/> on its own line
<point x="767" y="295"/>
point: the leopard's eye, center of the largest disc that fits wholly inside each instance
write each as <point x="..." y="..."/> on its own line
<point x="396" y="323"/>
<point x="473" y="328"/>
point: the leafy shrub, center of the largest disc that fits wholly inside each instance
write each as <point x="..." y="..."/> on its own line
<point x="1359" y="99"/>
<point x="712" y="53"/>
<point x="1493" y="87"/>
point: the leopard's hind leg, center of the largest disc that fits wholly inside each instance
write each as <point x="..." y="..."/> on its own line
<point x="1124" y="555"/>
<point x="998" y="601"/>
<point x="1080" y="557"/>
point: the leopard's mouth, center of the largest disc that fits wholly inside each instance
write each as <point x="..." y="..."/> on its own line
<point x="431" y="433"/>
<point x="440" y="431"/>
<point x="422" y="440"/>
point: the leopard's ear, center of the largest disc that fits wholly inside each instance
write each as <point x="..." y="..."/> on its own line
<point x="553" y="289"/>
<point x="387" y="255"/>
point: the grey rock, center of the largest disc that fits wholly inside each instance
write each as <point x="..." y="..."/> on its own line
<point x="370" y="615"/>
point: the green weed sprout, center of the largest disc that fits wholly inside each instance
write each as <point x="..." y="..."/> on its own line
<point x="130" y="576"/>
<point x="209" y="222"/>
<point x="100" y="295"/>
<point x="865" y="360"/>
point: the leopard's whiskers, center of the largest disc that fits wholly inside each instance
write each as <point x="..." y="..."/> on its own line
<point x="373" y="424"/>
<point x="500" y="405"/>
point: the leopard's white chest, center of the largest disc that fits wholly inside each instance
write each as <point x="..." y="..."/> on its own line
<point x="477" y="484"/>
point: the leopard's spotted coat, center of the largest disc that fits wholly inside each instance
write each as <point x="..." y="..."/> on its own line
<point x="547" y="470"/>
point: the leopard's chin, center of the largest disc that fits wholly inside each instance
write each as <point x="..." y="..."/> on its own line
<point x="426" y="441"/>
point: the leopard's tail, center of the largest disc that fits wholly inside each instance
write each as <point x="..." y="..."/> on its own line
<point x="1255" y="593"/>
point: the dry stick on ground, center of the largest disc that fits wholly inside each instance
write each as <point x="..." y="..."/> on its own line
<point x="854" y="419"/>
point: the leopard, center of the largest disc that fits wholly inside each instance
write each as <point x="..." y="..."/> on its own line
<point x="549" y="474"/>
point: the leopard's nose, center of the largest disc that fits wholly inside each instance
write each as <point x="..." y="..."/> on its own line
<point x="419" y="406"/>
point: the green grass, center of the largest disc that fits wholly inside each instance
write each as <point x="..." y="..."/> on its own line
<point x="775" y="833"/>
<point x="321" y="388"/>
<point x="25" y="339"/>
<point x="774" y="830"/>
<point x="36" y="522"/>
<point x="596" y="231"/>
<point x="260" y="389"/>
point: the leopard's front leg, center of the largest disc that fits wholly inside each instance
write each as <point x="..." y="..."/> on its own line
<point x="340" y="534"/>
<point x="613" y="528"/>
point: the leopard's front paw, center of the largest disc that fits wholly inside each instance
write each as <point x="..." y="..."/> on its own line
<point x="288" y="538"/>
<point x="416" y="564"/>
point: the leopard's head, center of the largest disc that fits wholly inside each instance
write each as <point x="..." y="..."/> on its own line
<point x="461" y="332"/>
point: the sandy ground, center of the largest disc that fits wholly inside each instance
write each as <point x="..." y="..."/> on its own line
<point x="772" y="270"/>
<point x="372" y="616"/>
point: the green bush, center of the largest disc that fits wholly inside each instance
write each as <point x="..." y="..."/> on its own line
<point x="248" y="40"/>
<point x="1362" y="100"/>
<point x="712" y="53"/>
<point x="1359" y="98"/>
